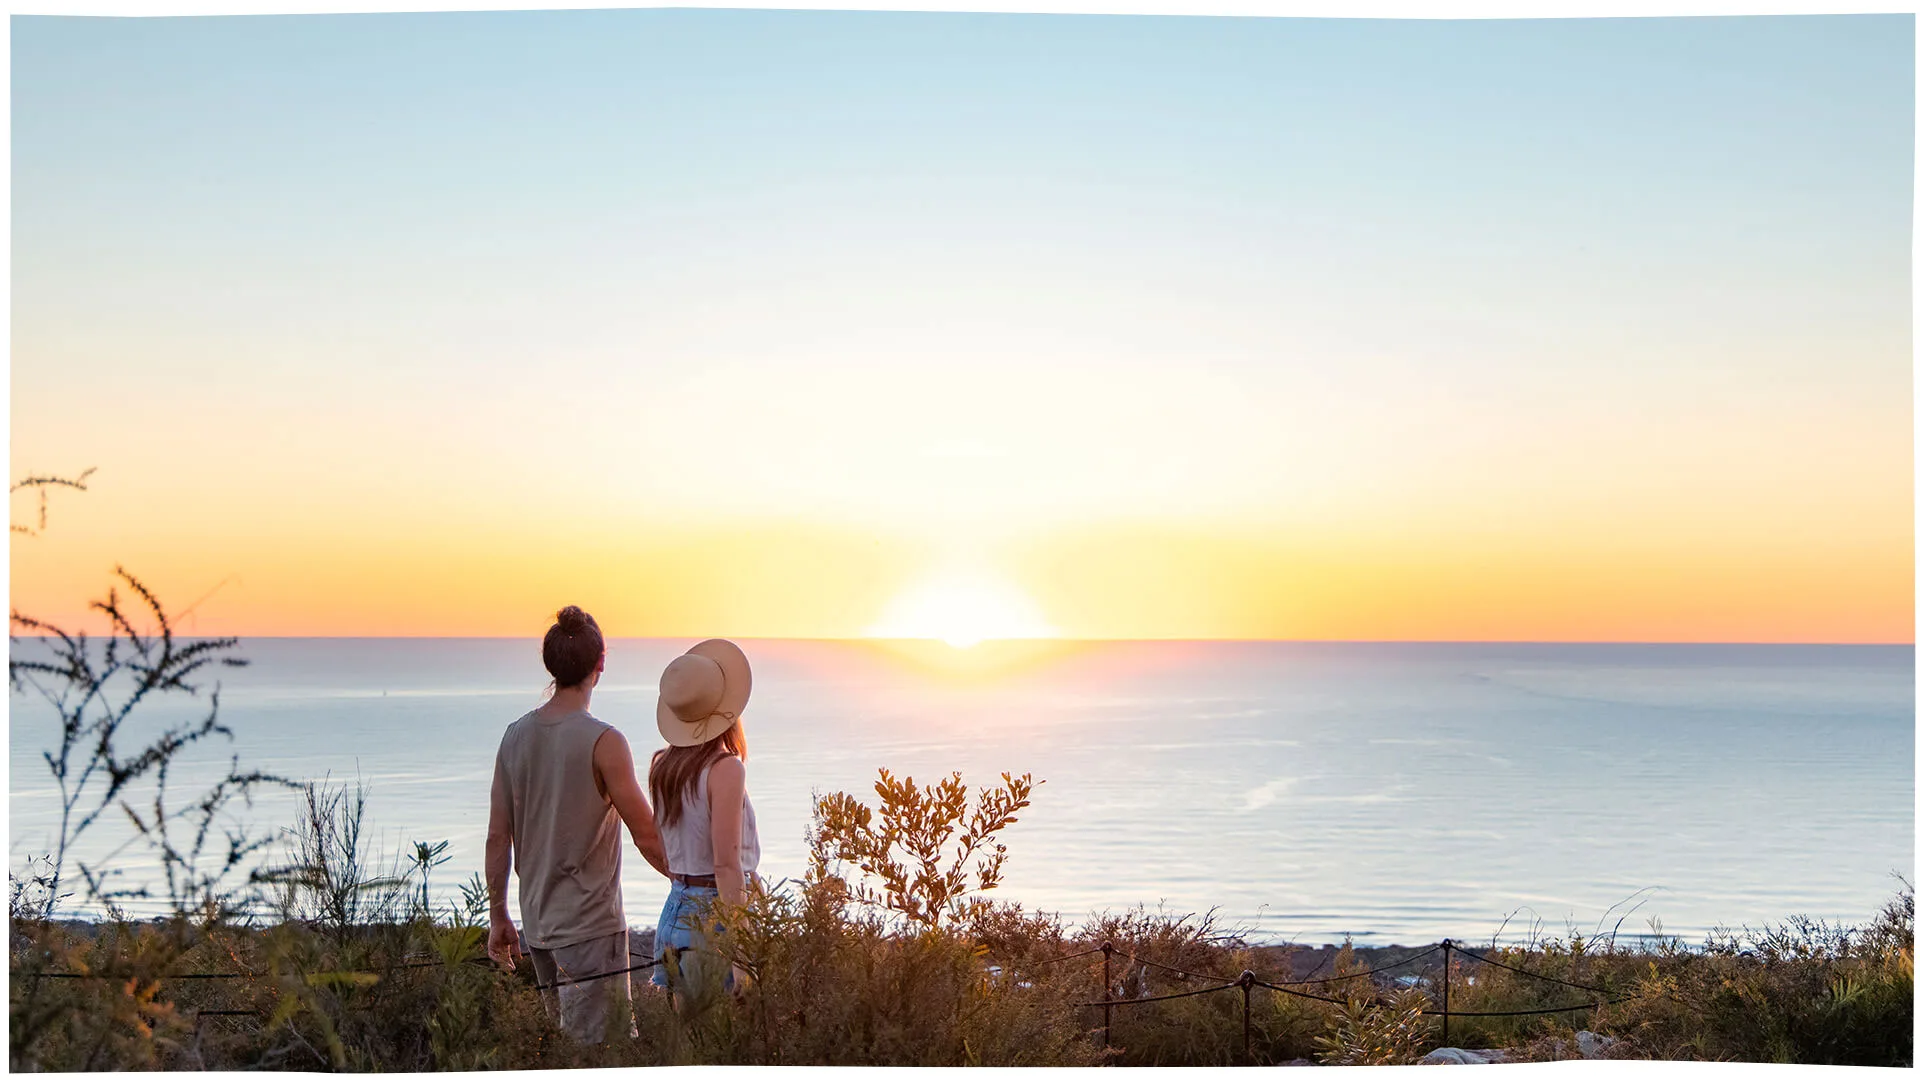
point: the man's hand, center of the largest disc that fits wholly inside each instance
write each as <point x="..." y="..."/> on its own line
<point x="503" y="942"/>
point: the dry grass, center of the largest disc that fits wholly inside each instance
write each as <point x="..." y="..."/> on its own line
<point x="344" y="970"/>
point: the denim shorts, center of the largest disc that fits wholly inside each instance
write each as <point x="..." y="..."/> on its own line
<point x="679" y="929"/>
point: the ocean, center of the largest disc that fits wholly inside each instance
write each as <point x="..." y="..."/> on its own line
<point x="1394" y="793"/>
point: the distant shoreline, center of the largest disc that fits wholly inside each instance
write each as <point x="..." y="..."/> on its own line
<point x="989" y="643"/>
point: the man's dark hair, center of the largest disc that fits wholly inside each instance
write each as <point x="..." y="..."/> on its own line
<point x="573" y="647"/>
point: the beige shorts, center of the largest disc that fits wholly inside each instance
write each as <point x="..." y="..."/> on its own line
<point x="588" y="1009"/>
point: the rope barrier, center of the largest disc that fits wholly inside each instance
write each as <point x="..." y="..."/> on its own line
<point x="589" y="978"/>
<point x="1069" y="956"/>
<point x="1283" y="986"/>
<point x="1299" y="993"/>
<point x="1245" y="982"/>
<point x="1324" y="960"/>
<point x="423" y="964"/>
<point x="1175" y="970"/>
<point x="1248" y="979"/>
<point x="1163" y="997"/>
<point x="1531" y="974"/>
<point x="1415" y="958"/>
<point x="1531" y="1012"/>
<point x="156" y="978"/>
<point x="1363" y="974"/>
<point x="409" y="966"/>
<point x="184" y="975"/>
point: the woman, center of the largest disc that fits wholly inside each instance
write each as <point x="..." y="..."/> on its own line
<point x="699" y="787"/>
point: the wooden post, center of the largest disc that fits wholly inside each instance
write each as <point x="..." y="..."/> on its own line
<point x="1246" y="1014"/>
<point x="1446" y="972"/>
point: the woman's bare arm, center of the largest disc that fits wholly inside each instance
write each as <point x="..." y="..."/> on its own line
<point x="726" y="792"/>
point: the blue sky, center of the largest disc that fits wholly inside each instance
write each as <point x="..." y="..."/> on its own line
<point x="1618" y="155"/>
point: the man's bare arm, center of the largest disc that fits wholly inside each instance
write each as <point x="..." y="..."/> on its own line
<point x="613" y="762"/>
<point x="503" y="940"/>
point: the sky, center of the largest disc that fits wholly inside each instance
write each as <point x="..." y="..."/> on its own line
<point x="809" y="324"/>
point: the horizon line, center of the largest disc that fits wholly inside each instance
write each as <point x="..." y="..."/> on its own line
<point x="1063" y="640"/>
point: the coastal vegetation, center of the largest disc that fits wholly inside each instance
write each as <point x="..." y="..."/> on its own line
<point x="339" y="964"/>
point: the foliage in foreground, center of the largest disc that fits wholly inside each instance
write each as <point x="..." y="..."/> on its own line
<point x="354" y="973"/>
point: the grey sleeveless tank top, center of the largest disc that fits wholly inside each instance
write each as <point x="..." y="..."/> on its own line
<point x="566" y="835"/>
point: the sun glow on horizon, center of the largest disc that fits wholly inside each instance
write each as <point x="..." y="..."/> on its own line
<point x="962" y="608"/>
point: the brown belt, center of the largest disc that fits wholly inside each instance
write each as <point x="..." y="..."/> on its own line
<point x="696" y="881"/>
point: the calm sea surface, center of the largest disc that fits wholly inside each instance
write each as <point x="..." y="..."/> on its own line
<point x="1397" y="793"/>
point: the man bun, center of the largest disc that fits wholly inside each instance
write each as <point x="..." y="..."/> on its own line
<point x="573" y="647"/>
<point x="571" y="620"/>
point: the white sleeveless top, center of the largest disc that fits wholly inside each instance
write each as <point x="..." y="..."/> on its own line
<point x="689" y="840"/>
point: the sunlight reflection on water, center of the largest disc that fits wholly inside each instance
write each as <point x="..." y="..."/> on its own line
<point x="1306" y="791"/>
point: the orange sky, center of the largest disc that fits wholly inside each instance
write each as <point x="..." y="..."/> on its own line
<point x="1298" y="341"/>
<point x="415" y="572"/>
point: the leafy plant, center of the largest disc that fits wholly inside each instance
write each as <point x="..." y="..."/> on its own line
<point x="1392" y="1032"/>
<point x="425" y="858"/>
<point x="899" y="850"/>
<point x="96" y="687"/>
<point x="456" y="1030"/>
<point x="473" y="901"/>
<point x="332" y="878"/>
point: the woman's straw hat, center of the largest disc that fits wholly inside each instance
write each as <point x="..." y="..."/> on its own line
<point x="703" y="692"/>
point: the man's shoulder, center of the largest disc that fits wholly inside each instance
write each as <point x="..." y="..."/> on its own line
<point x="568" y="727"/>
<point x="515" y="729"/>
<point x="601" y="727"/>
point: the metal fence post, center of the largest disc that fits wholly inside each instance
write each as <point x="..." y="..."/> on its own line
<point x="1446" y="975"/>
<point x="1106" y="994"/>
<point x="1246" y="1014"/>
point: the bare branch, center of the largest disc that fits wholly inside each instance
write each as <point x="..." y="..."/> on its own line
<point x="40" y="486"/>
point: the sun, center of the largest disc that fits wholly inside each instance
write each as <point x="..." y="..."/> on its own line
<point x="962" y="608"/>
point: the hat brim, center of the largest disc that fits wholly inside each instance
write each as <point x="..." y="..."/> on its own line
<point x="737" y="686"/>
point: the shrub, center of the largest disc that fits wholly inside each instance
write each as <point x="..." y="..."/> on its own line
<point x="895" y="966"/>
<point x="1394" y="1032"/>
<point x="898" y="851"/>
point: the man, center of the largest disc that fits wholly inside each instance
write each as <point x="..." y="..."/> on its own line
<point x="563" y="782"/>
